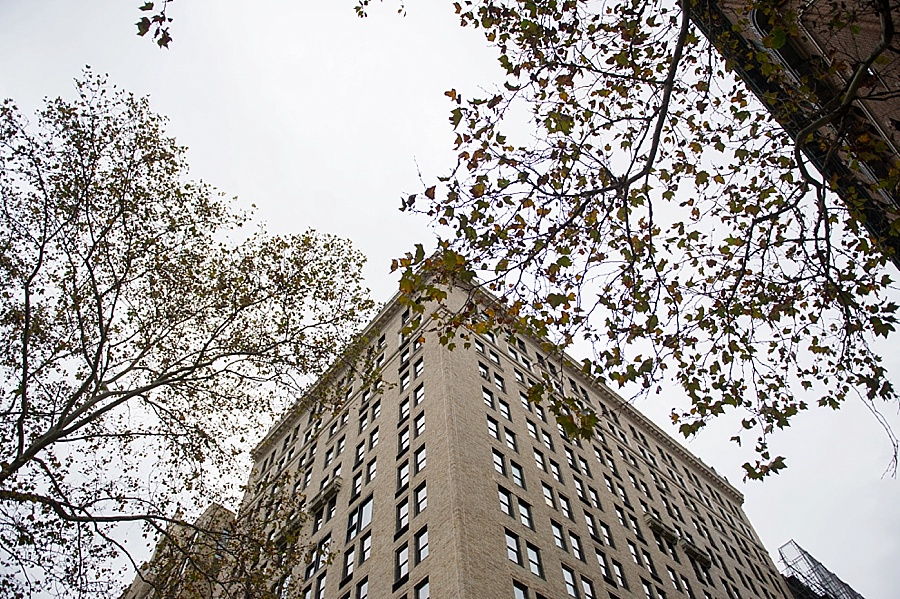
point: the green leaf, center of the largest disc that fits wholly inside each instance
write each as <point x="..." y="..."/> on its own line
<point x="557" y="299"/>
<point x="776" y="39"/>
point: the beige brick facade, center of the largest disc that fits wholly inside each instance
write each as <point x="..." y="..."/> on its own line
<point x="631" y="499"/>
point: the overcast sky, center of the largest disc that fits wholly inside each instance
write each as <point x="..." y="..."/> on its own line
<point x="324" y="120"/>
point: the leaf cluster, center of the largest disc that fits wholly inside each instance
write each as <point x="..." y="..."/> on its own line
<point x="661" y="215"/>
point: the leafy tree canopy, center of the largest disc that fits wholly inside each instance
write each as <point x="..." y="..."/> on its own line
<point x="657" y="212"/>
<point x="145" y="338"/>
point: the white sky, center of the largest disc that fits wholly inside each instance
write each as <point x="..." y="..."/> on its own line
<point x="323" y="120"/>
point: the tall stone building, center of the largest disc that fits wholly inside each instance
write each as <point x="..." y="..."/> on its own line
<point x="449" y="484"/>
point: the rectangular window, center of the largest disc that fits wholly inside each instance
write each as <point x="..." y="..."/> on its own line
<point x="349" y="554"/>
<point x="569" y="580"/>
<point x="575" y="542"/>
<point x="402" y="515"/>
<point x="547" y="439"/>
<point x="488" y="397"/>
<point x="401" y="569"/>
<point x="520" y="591"/>
<point x="504" y="409"/>
<point x="570" y="459"/>
<point x="620" y="575"/>
<point x="404" y="381"/>
<point x="539" y="460"/>
<point x="499" y="463"/>
<point x="493" y="429"/>
<point x="365" y="547"/>
<point x="512" y="548"/>
<point x="635" y="527"/>
<point x="421" y="545"/>
<point x="360" y="453"/>
<point x="484" y="372"/>
<point x="525" y="514"/>
<point x="554" y="470"/>
<point x="371" y="471"/>
<point x="505" y="501"/>
<point x="420" y="459"/>
<point x="558" y="537"/>
<point x="403" y="440"/>
<point x="534" y="560"/>
<point x="579" y="489"/>
<point x="418" y="367"/>
<point x="566" y="507"/>
<point x="517" y="475"/>
<point x="604" y="564"/>
<point x="532" y="429"/>
<point x="404" y="409"/>
<point x="588" y="587"/>
<point x="510" y="439"/>
<point x="548" y="496"/>
<point x="422" y="591"/>
<point x="376" y="410"/>
<point x="607" y="535"/>
<point x="584" y="466"/>
<point x="419" y="395"/>
<point x="421" y="498"/>
<point x="403" y="475"/>
<point x="524" y="399"/>
<point x="649" y="563"/>
<point x="359" y="519"/>
<point x="499" y="382"/>
<point x="494" y="357"/>
<point x="674" y="578"/>
<point x="632" y="548"/>
<point x="591" y="525"/>
<point x="362" y="589"/>
<point x="373" y="439"/>
<point x="419" y="424"/>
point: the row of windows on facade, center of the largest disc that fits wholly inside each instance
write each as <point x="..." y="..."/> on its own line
<point x="314" y="419"/>
<point x="613" y="574"/>
<point x="520" y="358"/>
<point x="589" y="496"/>
<point x="358" y="546"/>
<point x="581" y="466"/>
<point x="643" y="444"/>
<point x="636" y="434"/>
<point x="368" y="416"/>
<point x="306" y="461"/>
<point x="405" y="469"/>
<point x="422" y="590"/>
<point x="547" y="440"/>
<point x="360" y="517"/>
<point x="509" y="438"/>
<point x="558" y="501"/>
